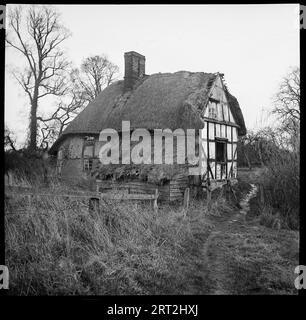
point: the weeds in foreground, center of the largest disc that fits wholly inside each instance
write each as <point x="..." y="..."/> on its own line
<point x="55" y="246"/>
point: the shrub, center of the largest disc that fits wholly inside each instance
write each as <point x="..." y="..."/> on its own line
<point x="28" y="166"/>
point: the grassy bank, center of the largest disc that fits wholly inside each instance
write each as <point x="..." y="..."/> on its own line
<point x="54" y="246"/>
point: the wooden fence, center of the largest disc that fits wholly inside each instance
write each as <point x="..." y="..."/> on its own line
<point x="94" y="198"/>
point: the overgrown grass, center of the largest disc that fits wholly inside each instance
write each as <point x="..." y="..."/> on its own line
<point x="282" y="187"/>
<point x="55" y="246"/>
<point x="279" y="188"/>
<point x="280" y="196"/>
<point x="259" y="261"/>
<point x="29" y="166"/>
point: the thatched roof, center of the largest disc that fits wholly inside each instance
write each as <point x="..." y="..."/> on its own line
<point x="159" y="101"/>
<point x="237" y="113"/>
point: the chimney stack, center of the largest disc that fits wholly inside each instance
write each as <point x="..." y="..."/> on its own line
<point x="134" y="68"/>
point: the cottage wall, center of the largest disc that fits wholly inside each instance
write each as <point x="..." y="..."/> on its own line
<point x="72" y="147"/>
<point x="72" y="168"/>
<point x="220" y="128"/>
<point x="72" y="153"/>
<point x="69" y="157"/>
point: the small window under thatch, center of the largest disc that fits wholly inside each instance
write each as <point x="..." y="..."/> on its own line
<point x="88" y="155"/>
<point x="212" y="110"/>
<point x="87" y="164"/>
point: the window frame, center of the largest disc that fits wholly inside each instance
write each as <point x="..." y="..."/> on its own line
<point x="88" y="159"/>
<point x="87" y="164"/>
<point x="212" y="110"/>
<point x="221" y="141"/>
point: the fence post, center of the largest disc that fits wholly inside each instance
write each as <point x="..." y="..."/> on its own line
<point x="155" y="205"/>
<point x="186" y="198"/>
<point x="262" y="198"/>
<point x="67" y="234"/>
<point x="208" y="191"/>
<point x="30" y="200"/>
<point x="186" y="201"/>
<point x="227" y="190"/>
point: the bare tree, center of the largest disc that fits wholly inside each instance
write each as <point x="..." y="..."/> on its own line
<point x="287" y="103"/>
<point x="96" y="73"/>
<point x="51" y="127"/>
<point x="9" y="139"/>
<point x="37" y="34"/>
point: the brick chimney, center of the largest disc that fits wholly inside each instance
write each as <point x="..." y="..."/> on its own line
<point x="134" y="68"/>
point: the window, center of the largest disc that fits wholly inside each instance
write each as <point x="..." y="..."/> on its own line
<point x="220" y="151"/>
<point x="87" y="164"/>
<point x="212" y="110"/>
<point x="88" y="155"/>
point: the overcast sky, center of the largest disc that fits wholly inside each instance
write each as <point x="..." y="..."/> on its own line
<point x="253" y="45"/>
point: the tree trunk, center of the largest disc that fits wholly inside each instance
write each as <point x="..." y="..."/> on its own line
<point x="33" y="123"/>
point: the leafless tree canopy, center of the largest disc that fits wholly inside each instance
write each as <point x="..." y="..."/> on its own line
<point x="286" y="134"/>
<point x="37" y="34"/>
<point x="96" y="73"/>
<point x="51" y="127"/>
<point x="9" y="139"/>
<point x="287" y="102"/>
<point x="85" y="84"/>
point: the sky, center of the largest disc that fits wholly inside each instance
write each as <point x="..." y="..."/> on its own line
<point x="253" y="45"/>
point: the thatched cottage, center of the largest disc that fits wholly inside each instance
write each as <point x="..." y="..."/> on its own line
<point x="186" y="100"/>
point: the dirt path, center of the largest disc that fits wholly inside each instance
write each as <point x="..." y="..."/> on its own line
<point x="242" y="257"/>
<point x="214" y="251"/>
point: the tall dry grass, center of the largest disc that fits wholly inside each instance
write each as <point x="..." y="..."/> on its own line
<point x="281" y="185"/>
<point x="55" y="246"/>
